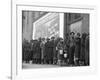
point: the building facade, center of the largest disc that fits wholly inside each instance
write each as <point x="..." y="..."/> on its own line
<point x="28" y="18"/>
<point x="75" y="22"/>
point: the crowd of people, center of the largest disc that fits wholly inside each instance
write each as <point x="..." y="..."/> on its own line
<point x="72" y="50"/>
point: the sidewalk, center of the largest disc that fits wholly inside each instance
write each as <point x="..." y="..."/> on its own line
<point x="29" y="66"/>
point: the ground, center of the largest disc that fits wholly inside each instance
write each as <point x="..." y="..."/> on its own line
<point x="29" y="66"/>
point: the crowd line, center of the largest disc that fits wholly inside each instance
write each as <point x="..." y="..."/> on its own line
<point x="72" y="50"/>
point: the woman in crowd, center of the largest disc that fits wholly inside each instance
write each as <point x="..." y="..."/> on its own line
<point x="60" y="47"/>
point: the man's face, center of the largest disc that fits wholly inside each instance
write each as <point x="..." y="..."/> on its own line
<point x="78" y="35"/>
<point x="52" y="39"/>
<point x="72" y="35"/>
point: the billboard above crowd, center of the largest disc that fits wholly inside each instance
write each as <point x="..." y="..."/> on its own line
<point x="47" y="26"/>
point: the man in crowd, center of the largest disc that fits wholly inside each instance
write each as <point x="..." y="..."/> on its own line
<point x="42" y="46"/>
<point x="55" y="59"/>
<point x="53" y="48"/>
<point x="74" y="50"/>
<point x="47" y="51"/>
<point x="66" y="48"/>
<point x="77" y="48"/>
<point x="71" y="48"/>
<point x="82" y="55"/>
<point x="38" y="52"/>
<point x="33" y="51"/>
<point x="87" y="50"/>
<point x="27" y="49"/>
<point x="60" y="47"/>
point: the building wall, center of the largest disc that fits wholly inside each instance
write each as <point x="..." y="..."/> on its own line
<point x="28" y="17"/>
<point x="27" y="25"/>
<point x="76" y="27"/>
<point x="85" y="23"/>
<point x="72" y="20"/>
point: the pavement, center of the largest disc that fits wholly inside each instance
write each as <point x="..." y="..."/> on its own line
<point x="32" y="66"/>
<point x="29" y="66"/>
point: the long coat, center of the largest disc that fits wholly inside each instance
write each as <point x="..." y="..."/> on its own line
<point x="87" y="50"/>
<point x="34" y="50"/>
<point x="49" y="49"/>
<point x="82" y="55"/>
<point x="77" y="47"/>
<point x="55" y="49"/>
<point x="71" y="50"/>
<point x="38" y="50"/>
<point x="60" y="47"/>
<point x="52" y="45"/>
<point x="27" y="51"/>
<point x="23" y="51"/>
<point x="42" y="46"/>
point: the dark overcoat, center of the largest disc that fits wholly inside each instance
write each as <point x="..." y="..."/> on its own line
<point x="38" y="50"/>
<point x="49" y="49"/>
<point x="42" y="45"/>
<point x="87" y="51"/>
<point x="77" y="47"/>
<point x="82" y="55"/>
